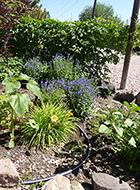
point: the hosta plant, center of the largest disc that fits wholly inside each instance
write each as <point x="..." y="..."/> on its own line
<point x="18" y="102"/>
<point x="122" y="127"/>
<point x="48" y="124"/>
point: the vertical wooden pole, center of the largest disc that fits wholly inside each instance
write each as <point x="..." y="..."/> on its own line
<point x="93" y="12"/>
<point x="130" y="43"/>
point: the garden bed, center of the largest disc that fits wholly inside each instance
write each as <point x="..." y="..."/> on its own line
<point x="35" y="164"/>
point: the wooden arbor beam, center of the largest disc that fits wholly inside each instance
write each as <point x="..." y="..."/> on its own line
<point x="130" y="43"/>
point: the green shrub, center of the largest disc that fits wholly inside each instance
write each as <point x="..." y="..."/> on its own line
<point x="16" y="66"/>
<point x="121" y="126"/>
<point x="92" y="42"/>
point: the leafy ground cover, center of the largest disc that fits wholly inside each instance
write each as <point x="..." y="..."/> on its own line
<point x="42" y="139"/>
<point x="34" y="163"/>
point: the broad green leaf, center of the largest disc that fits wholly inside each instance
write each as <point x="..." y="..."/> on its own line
<point x="11" y="144"/>
<point x="12" y="135"/>
<point x="17" y="84"/>
<point x="11" y="86"/>
<point x="117" y="113"/>
<point x="132" y="142"/>
<point x="128" y="122"/>
<point x="103" y="116"/>
<point x="19" y="103"/>
<point x="33" y="86"/>
<point x="118" y="129"/>
<point x="5" y="81"/>
<point x="108" y="122"/>
<point x="33" y="124"/>
<point x="24" y="77"/>
<point x="104" y="129"/>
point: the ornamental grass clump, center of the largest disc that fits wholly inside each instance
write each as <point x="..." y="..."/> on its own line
<point x="48" y="124"/>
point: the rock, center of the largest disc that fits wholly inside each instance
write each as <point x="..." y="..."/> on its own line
<point x="137" y="99"/>
<point x="76" y="186"/>
<point x="8" y="174"/>
<point x="102" y="181"/>
<point x="11" y="188"/>
<point x="57" y="183"/>
<point x="105" y="88"/>
<point x="124" y="95"/>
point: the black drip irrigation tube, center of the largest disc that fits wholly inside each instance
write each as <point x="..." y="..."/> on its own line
<point x="66" y="172"/>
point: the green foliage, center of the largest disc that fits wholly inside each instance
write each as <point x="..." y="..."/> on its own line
<point x="26" y="176"/>
<point x="121" y="126"/>
<point x="48" y="124"/>
<point x="18" y="102"/>
<point x="37" y="185"/>
<point x="37" y="13"/>
<point x="15" y="65"/>
<point x="5" y="116"/>
<point x="102" y="10"/>
<point x="10" y="12"/>
<point x="93" y="42"/>
<point x="54" y="95"/>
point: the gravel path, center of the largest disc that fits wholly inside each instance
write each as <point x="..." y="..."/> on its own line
<point x="133" y="79"/>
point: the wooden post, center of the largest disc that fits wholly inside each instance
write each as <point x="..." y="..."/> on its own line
<point x="93" y="12"/>
<point x="130" y="43"/>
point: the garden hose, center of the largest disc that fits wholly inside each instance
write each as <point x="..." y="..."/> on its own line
<point x="66" y="172"/>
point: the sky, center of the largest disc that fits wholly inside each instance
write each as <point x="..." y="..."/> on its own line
<point x="68" y="10"/>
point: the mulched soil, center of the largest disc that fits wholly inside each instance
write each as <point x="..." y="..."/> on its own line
<point x="36" y="164"/>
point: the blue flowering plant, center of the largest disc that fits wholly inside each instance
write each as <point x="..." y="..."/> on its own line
<point x="80" y="94"/>
<point x="52" y="91"/>
<point x="36" y="69"/>
<point x="70" y="82"/>
<point x="64" y="68"/>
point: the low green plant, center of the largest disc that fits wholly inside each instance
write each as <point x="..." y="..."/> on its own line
<point x="5" y="116"/>
<point x="121" y="126"/>
<point x="54" y="95"/>
<point x="18" y="102"/>
<point x="15" y="66"/>
<point x="25" y="177"/>
<point x="47" y="125"/>
<point x="37" y="185"/>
